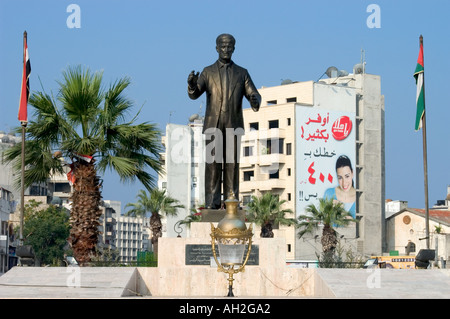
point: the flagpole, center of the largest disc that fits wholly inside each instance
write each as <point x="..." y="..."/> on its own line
<point x="22" y="177"/>
<point x="425" y="164"/>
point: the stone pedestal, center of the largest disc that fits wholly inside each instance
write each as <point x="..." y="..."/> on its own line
<point x="172" y="251"/>
<point x="270" y="277"/>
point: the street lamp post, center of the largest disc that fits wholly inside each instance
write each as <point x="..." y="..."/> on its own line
<point x="231" y="237"/>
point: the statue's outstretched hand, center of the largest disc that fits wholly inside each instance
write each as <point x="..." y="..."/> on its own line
<point x="192" y="79"/>
<point x="254" y="102"/>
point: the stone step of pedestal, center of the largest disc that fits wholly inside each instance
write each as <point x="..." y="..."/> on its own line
<point x="43" y="282"/>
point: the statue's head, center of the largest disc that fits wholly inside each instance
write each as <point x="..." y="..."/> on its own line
<point x="225" y="37"/>
<point x="225" y="46"/>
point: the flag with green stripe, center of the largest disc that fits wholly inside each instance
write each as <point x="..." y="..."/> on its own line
<point x="420" y="96"/>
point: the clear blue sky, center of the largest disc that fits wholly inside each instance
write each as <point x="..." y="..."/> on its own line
<point x="157" y="44"/>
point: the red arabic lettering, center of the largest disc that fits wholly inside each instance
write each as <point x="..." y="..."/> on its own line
<point x="319" y="120"/>
<point x="311" y="170"/>
<point x="319" y="135"/>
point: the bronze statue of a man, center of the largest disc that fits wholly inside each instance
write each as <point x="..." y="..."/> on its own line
<point x="225" y="84"/>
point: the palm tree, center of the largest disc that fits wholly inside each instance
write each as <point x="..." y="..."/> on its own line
<point x="194" y="216"/>
<point x="330" y="214"/>
<point x="87" y="128"/>
<point x="266" y="211"/>
<point x="155" y="202"/>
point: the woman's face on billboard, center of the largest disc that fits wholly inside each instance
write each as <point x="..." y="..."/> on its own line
<point x="345" y="178"/>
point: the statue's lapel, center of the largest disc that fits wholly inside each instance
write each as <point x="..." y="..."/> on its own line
<point x="216" y="77"/>
<point x="235" y="76"/>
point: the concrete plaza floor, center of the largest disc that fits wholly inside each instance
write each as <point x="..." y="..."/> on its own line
<point x="127" y="282"/>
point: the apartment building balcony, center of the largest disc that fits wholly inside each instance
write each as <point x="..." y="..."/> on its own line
<point x="110" y="220"/>
<point x="262" y="185"/>
<point x="61" y="195"/>
<point x="273" y="183"/>
<point x="262" y="160"/>
<point x="265" y="134"/>
<point x="248" y="161"/>
<point x="248" y="186"/>
<point x="271" y="159"/>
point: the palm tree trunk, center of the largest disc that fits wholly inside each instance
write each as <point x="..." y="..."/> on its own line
<point x="328" y="240"/>
<point x="266" y="230"/>
<point x="156" y="227"/>
<point x="85" y="213"/>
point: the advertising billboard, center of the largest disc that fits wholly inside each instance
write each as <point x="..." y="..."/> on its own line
<point x="326" y="155"/>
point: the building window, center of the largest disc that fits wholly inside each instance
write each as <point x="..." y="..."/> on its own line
<point x="272" y="102"/>
<point x="291" y="99"/>
<point x="289" y="248"/>
<point x="410" y="248"/>
<point x="274" y="175"/>
<point x="254" y="126"/>
<point x="62" y="187"/>
<point x="289" y="172"/>
<point x="248" y="151"/>
<point x="35" y="191"/>
<point x="273" y="124"/>
<point x="288" y="148"/>
<point x="246" y="199"/>
<point x="275" y="146"/>
<point x="248" y="175"/>
<point x="289" y="121"/>
<point x="289" y="196"/>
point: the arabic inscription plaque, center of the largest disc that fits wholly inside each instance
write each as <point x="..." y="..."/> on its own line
<point x="202" y="254"/>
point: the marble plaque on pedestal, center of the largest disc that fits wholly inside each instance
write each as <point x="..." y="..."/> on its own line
<point x="202" y="254"/>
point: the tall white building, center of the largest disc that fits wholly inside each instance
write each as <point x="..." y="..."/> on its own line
<point x="184" y="170"/>
<point x="132" y="235"/>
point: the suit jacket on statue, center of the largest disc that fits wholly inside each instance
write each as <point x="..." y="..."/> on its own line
<point x="240" y="85"/>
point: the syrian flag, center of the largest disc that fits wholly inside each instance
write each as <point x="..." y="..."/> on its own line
<point x="25" y="90"/>
<point x="420" y="96"/>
